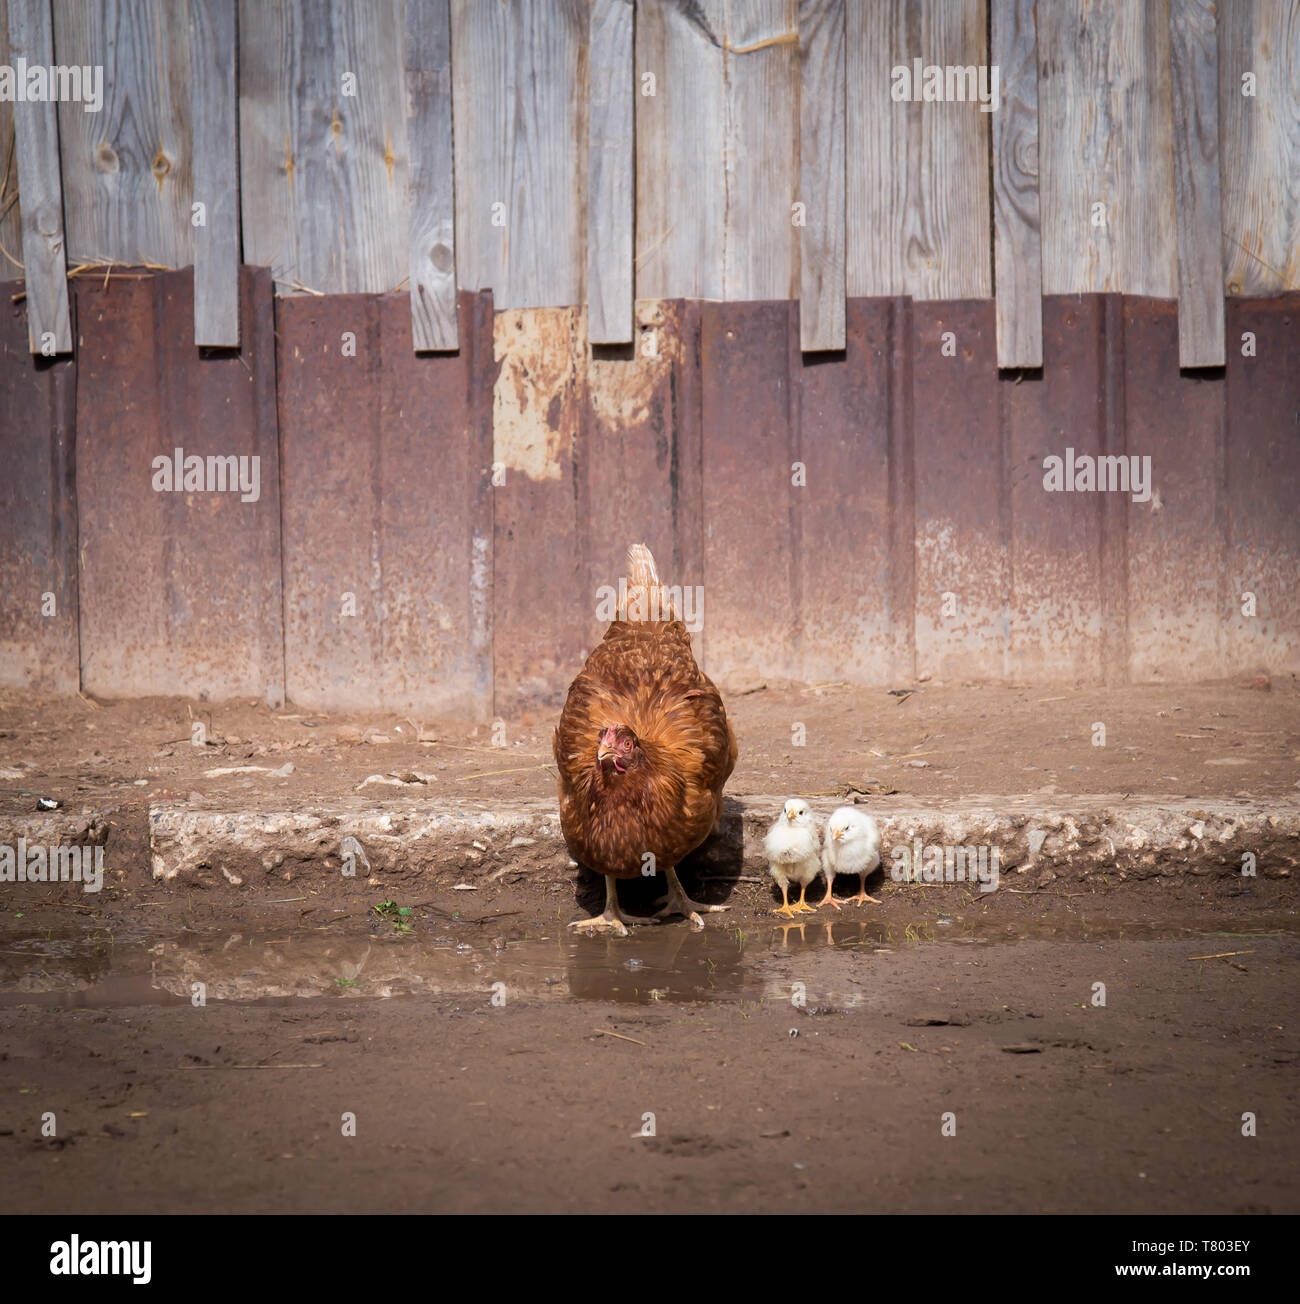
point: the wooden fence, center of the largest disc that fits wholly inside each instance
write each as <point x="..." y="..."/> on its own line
<point x="571" y="152"/>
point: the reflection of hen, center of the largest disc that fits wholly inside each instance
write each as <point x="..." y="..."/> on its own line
<point x="643" y="748"/>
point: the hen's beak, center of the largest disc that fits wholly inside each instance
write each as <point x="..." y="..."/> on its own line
<point x="837" y="835"/>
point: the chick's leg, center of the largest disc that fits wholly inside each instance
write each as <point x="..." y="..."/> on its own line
<point x="828" y="899"/>
<point x="802" y="904"/>
<point x="785" y="908"/>
<point x="678" y="903"/>
<point x="609" y="922"/>
<point x="862" y="893"/>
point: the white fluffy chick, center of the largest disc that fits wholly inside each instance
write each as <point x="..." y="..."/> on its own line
<point x="792" y="848"/>
<point x="852" y="847"/>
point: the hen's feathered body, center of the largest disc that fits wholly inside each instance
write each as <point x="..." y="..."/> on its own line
<point x="642" y="678"/>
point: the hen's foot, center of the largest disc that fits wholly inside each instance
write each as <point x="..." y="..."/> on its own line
<point x="828" y="900"/>
<point x="678" y="903"/>
<point x="606" y="923"/>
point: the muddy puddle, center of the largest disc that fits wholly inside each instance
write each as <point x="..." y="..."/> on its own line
<point x="67" y="969"/>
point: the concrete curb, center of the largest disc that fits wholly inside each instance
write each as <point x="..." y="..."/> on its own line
<point x="1103" y="840"/>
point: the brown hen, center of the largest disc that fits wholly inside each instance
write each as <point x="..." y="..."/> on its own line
<point x="643" y="749"/>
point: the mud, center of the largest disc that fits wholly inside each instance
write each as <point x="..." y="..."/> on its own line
<point x="198" y="1047"/>
<point x="783" y="1068"/>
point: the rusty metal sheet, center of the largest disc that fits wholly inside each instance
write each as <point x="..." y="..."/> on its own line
<point x="1054" y="598"/>
<point x="962" y="573"/>
<point x="1176" y="537"/>
<point x="753" y="606"/>
<point x="638" y="466"/>
<point x="855" y="587"/>
<point x="387" y="510"/>
<point x="179" y="588"/>
<point x="539" y="592"/>
<point x="38" y="511"/>
<point x="1262" y="467"/>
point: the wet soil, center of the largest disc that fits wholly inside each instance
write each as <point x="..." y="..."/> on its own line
<point x="494" y="1061"/>
<point x="509" y="1065"/>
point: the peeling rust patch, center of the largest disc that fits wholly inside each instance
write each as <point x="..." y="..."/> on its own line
<point x="540" y="353"/>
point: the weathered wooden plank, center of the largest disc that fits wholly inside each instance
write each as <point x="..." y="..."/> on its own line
<point x="214" y="115"/>
<point x="681" y="193"/>
<point x="610" y="201"/>
<point x="951" y="257"/>
<point x="918" y="169"/>
<point x="821" y="175"/>
<point x="11" y="213"/>
<point x="884" y="135"/>
<point x="323" y="144"/>
<point x="36" y="141"/>
<point x="434" y="315"/>
<point x="761" y="75"/>
<point x="1259" y="133"/>
<point x="1106" y="147"/>
<point x="1194" y="73"/>
<point x="519" y="97"/>
<point x="127" y="170"/>
<point x="1017" y="246"/>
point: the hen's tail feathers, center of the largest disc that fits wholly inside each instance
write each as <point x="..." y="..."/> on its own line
<point x="647" y="597"/>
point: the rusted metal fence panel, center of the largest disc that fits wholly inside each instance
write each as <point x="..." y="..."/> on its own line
<point x="639" y="470"/>
<point x="1263" y="485"/>
<point x="1054" y="580"/>
<point x="540" y="601"/>
<point x="754" y="603"/>
<point x="1176" y="538"/>
<point x="845" y="566"/>
<point x="448" y="521"/>
<point x="179" y="582"/>
<point x="387" y="513"/>
<point x="38" y="508"/>
<point x="962" y="578"/>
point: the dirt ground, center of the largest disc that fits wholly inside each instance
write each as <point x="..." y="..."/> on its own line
<point x="1198" y="741"/>
<point x="758" y="1105"/>
<point x="938" y="1001"/>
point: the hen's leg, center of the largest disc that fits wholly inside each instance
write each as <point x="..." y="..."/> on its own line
<point x="609" y="922"/>
<point x="862" y="893"/>
<point x="678" y="903"/>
